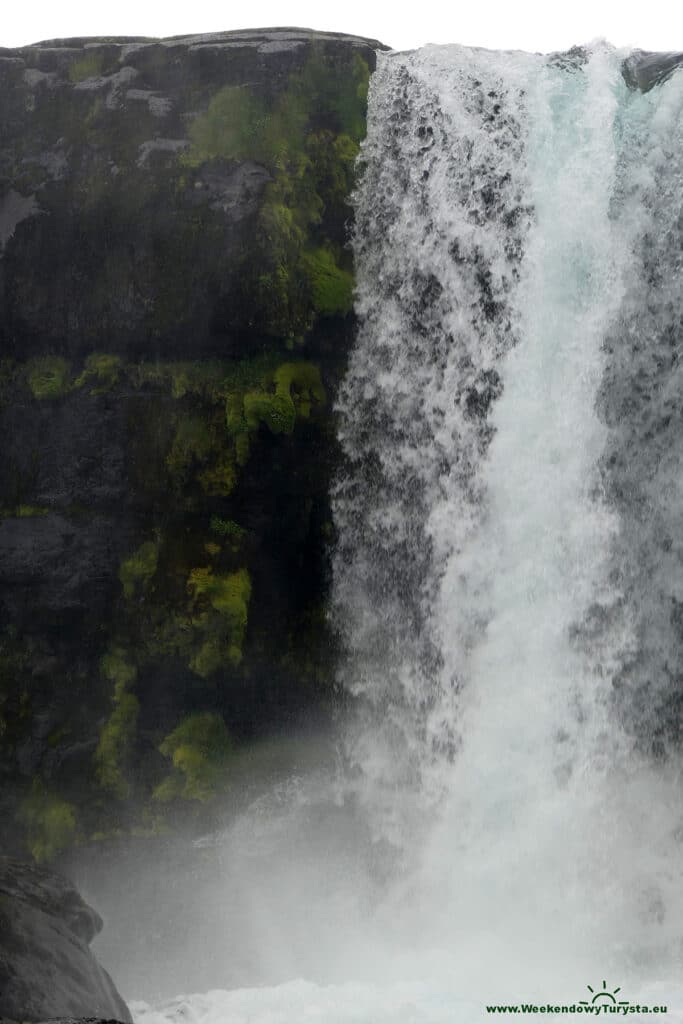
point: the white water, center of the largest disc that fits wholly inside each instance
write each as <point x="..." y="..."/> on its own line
<point x="508" y="561"/>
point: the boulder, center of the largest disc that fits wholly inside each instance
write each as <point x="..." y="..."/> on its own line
<point x="47" y="970"/>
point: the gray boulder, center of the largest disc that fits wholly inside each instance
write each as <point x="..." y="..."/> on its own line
<point x="47" y="970"/>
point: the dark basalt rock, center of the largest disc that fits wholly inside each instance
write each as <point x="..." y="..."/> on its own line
<point x="644" y="70"/>
<point x="46" y="967"/>
<point x="641" y="70"/>
<point x="175" y="314"/>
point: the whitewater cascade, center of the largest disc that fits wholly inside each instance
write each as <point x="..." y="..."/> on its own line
<point x="508" y="581"/>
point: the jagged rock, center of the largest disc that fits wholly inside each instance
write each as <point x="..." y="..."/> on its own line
<point x="46" y="967"/>
<point x="644" y="70"/>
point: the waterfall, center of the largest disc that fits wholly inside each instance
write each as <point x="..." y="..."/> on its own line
<point x="512" y="625"/>
<point x="507" y="579"/>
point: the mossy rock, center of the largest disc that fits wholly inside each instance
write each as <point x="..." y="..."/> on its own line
<point x="51" y="823"/>
<point x="185" y="231"/>
<point x="331" y="286"/>
<point x="101" y="370"/>
<point x="138" y="569"/>
<point x="115" y="744"/>
<point x="89" y="66"/>
<point x="220" y="605"/>
<point x="48" y="377"/>
<point x="200" y="749"/>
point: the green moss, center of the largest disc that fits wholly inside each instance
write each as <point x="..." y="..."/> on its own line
<point x="301" y="383"/>
<point x="296" y="276"/>
<point x="218" y="480"/>
<point x="50" y="822"/>
<point x="230" y="530"/>
<point x="201" y="450"/>
<point x="234" y="413"/>
<point x="204" y="379"/>
<point x="241" y="125"/>
<point x="200" y="750"/>
<point x="102" y="370"/>
<point x="289" y="391"/>
<point x="210" y="657"/>
<point x="220" y="608"/>
<point x="230" y="596"/>
<point x="290" y="210"/>
<point x="138" y="569"/>
<point x="118" y="733"/>
<point x="308" y="136"/>
<point x="199" y="583"/>
<point x="333" y="159"/>
<point x="276" y="411"/>
<point x="115" y="667"/>
<point x="238" y="125"/>
<point x="89" y="66"/>
<point x="48" y="377"/>
<point x="351" y="101"/>
<point x="331" y="287"/>
<point x="24" y="512"/>
<point x="211" y="381"/>
<point x="114" y="746"/>
<point x="192" y="443"/>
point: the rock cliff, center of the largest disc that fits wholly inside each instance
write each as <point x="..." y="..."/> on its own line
<point x="175" y="313"/>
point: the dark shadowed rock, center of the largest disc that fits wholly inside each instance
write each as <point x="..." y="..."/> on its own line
<point x="644" y="70"/>
<point x="46" y="967"/>
<point x="74" y="1020"/>
<point x="175" y="313"/>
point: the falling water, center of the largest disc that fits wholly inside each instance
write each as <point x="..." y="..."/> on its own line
<point x="508" y="583"/>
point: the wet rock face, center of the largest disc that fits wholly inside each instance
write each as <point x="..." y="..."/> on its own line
<point x="175" y="314"/>
<point x="46" y="967"/>
<point x="644" y="70"/>
<point x="115" y="228"/>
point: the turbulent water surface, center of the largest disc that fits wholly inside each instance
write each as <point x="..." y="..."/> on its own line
<point x="506" y="824"/>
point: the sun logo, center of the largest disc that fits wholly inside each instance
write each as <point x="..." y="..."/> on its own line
<point x="605" y="996"/>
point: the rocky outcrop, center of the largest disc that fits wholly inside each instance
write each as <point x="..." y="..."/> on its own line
<point x="644" y="70"/>
<point x="46" y="967"/>
<point x="175" y="312"/>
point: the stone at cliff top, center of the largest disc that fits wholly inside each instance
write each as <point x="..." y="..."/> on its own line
<point x="122" y="215"/>
<point x="46" y="967"/>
